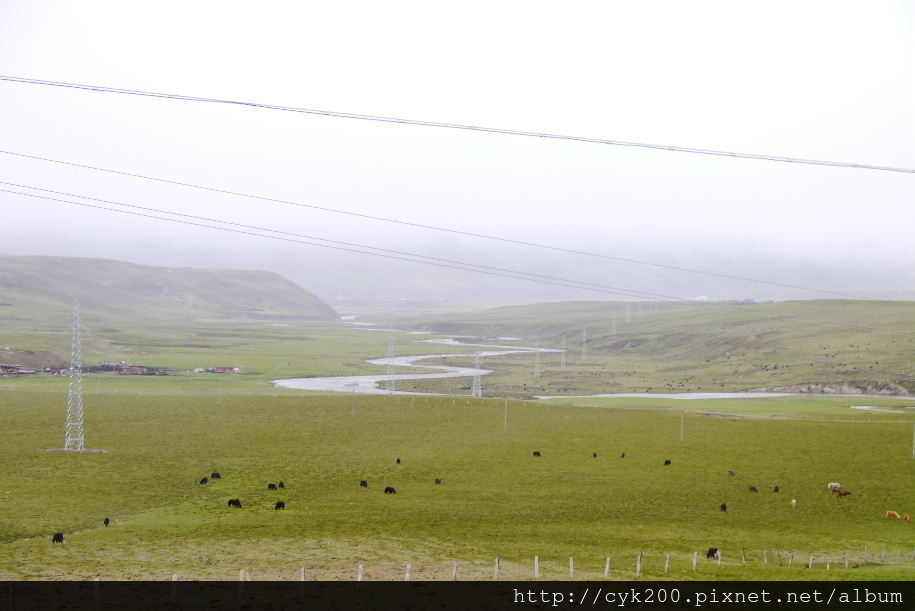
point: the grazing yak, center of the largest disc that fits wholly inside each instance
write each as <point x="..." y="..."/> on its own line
<point x="713" y="552"/>
<point x="280" y="505"/>
<point x="271" y="486"/>
<point x="204" y="480"/>
<point x="623" y="455"/>
<point x="753" y="489"/>
<point x="536" y="453"/>
<point x="438" y="480"/>
<point x="389" y="490"/>
<point x="234" y="503"/>
<point x="594" y="455"/>
<point x="667" y="462"/>
<point x="893" y="514"/>
<point x="364" y="483"/>
<point x="57" y="538"/>
<point x="106" y="522"/>
<point x="731" y="472"/>
<point x="776" y="489"/>
<point x="215" y="475"/>
<point x="281" y="485"/>
<point x="397" y="461"/>
<point x="724" y="507"/>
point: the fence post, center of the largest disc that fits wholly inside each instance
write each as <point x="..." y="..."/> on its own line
<point x="360" y="572"/>
<point x="571" y="567"/>
<point x="865" y="554"/>
<point x="454" y="571"/>
<point x="695" y="557"/>
<point x="638" y="565"/>
<point x="765" y="557"/>
<point x="743" y="555"/>
<point x="406" y="576"/>
<point x="846" y="560"/>
<point x="607" y="566"/>
<point x="536" y="567"/>
<point x="790" y="559"/>
<point x="810" y="563"/>
<point x="883" y="554"/>
<point x="827" y="563"/>
<point x="666" y="561"/>
<point x="495" y="570"/>
<point x="719" y="558"/>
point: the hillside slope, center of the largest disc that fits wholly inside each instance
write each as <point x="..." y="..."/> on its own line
<point x="825" y="346"/>
<point x="41" y="289"/>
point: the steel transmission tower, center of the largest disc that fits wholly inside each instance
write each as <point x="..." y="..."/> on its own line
<point x="477" y="389"/>
<point x="584" y="344"/>
<point x="75" y="439"/>
<point x="562" y="355"/>
<point x="389" y="384"/>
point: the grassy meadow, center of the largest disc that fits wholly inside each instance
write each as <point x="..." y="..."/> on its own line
<point x="162" y="434"/>
<point x="496" y="499"/>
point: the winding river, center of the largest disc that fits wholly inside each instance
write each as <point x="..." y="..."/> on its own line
<point x="369" y="384"/>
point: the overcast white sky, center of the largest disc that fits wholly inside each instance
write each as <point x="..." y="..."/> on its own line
<point x="832" y="80"/>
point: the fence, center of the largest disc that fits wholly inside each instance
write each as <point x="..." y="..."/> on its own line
<point x="627" y="567"/>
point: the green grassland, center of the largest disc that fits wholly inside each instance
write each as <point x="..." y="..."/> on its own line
<point x="38" y="291"/>
<point x="688" y="348"/>
<point x="496" y="499"/>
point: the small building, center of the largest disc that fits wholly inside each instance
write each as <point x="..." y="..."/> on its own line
<point x="224" y="370"/>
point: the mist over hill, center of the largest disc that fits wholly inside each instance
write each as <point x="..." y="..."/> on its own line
<point x="45" y="288"/>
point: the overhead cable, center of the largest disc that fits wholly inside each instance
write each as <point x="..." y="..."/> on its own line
<point x="436" y="228"/>
<point x="476" y="128"/>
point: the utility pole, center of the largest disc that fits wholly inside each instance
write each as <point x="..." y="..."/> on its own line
<point x="562" y="355"/>
<point x="477" y="389"/>
<point x="537" y="361"/>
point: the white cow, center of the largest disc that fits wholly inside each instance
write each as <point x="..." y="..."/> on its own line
<point x="834" y="486"/>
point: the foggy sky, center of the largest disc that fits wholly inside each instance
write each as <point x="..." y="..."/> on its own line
<point x="822" y="80"/>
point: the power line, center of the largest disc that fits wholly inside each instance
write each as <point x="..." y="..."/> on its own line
<point x="435" y="228"/>
<point x="416" y="256"/>
<point x="493" y="130"/>
<point x="470" y="267"/>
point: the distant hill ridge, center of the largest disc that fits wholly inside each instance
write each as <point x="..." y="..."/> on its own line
<point x="37" y="287"/>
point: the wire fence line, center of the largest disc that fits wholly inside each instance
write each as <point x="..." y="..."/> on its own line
<point x="620" y="567"/>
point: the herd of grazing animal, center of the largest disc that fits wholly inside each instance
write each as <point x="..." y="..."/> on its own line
<point x="833" y="487"/>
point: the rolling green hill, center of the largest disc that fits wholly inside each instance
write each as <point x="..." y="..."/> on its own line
<point x="826" y="345"/>
<point x="42" y="289"/>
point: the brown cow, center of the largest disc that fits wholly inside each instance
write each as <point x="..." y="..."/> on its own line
<point x="892" y="514"/>
<point x="907" y="517"/>
<point x="844" y="493"/>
